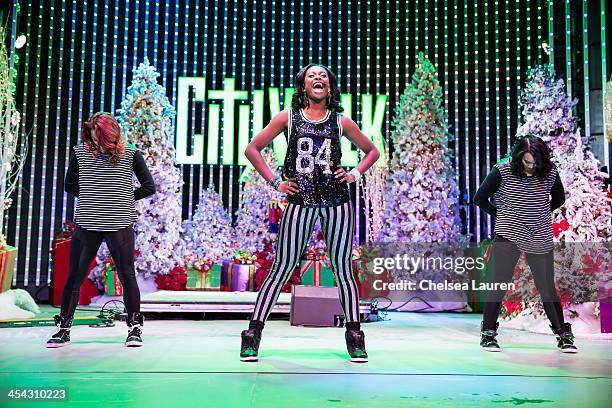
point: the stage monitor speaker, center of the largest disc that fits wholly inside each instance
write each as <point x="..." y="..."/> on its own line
<point x="315" y="306"/>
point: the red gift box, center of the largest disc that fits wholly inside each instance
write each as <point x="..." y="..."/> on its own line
<point x="365" y="281"/>
<point x="8" y="255"/>
<point x="60" y="257"/>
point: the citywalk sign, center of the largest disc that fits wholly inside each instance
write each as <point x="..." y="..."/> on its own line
<point x="193" y="89"/>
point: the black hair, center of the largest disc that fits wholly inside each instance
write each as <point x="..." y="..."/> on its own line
<point x="300" y="99"/>
<point x="538" y="149"/>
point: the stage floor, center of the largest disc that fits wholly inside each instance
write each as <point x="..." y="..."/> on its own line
<point x="420" y="360"/>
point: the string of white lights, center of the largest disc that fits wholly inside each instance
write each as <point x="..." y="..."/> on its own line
<point x="585" y="61"/>
<point x="34" y="161"/>
<point x="604" y="78"/>
<point x="568" y="48"/>
<point x="60" y="91"/>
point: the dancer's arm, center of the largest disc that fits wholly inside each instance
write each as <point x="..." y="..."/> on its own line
<point x="71" y="184"/>
<point x="253" y="151"/>
<point x="355" y="135"/>
<point x="486" y="190"/>
<point x="557" y="194"/>
<point x="147" y="185"/>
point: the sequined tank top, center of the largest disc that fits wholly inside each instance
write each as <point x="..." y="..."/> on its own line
<point x="313" y="155"/>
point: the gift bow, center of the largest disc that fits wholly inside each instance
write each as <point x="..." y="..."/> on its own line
<point x="244" y="257"/>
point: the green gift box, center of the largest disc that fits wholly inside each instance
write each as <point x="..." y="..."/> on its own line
<point x="110" y="279"/>
<point x="314" y="273"/>
<point x="209" y="280"/>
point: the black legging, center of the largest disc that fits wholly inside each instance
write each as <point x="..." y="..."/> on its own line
<point x="504" y="257"/>
<point x="84" y="246"/>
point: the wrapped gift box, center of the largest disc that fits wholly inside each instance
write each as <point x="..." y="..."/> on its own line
<point x="7" y="265"/>
<point x="207" y="280"/>
<point x="605" y="314"/>
<point x="605" y="303"/>
<point x="360" y="277"/>
<point x="314" y="273"/>
<point x="237" y="277"/>
<point x="60" y="258"/>
<point x="110" y="278"/>
<point x="365" y="281"/>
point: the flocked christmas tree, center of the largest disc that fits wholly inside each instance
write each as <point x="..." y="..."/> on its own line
<point x="252" y="218"/>
<point x="209" y="232"/>
<point x="146" y="122"/>
<point x="421" y="192"/>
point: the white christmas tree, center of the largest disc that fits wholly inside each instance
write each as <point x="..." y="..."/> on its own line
<point x="252" y="218"/>
<point x="209" y="232"/>
<point x="421" y="191"/>
<point x="146" y="122"/>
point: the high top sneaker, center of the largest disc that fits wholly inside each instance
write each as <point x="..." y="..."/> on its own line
<point x="62" y="337"/>
<point x="355" y="345"/>
<point x="565" y="339"/>
<point x="134" y="322"/>
<point x="250" y="345"/>
<point x="487" y="339"/>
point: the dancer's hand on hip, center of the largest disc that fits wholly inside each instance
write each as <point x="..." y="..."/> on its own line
<point x="344" y="176"/>
<point x="289" y="187"/>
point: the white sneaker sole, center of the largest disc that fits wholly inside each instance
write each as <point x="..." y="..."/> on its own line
<point x="358" y="360"/>
<point x="133" y="344"/>
<point x="249" y="359"/>
<point x="491" y="350"/>
<point x="57" y="345"/>
<point x="569" y="351"/>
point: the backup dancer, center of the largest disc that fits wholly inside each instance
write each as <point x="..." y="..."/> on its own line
<point x="100" y="174"/>
<point x="527" y="189"/>
<point x="317" y="188"/>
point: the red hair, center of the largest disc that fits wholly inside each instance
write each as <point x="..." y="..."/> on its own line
<point x="102" y="134"/>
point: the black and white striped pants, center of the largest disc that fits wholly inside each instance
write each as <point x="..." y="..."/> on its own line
<point x="297" y="224"/>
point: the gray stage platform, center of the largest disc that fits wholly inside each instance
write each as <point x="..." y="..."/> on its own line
<point x="212" y="301"/>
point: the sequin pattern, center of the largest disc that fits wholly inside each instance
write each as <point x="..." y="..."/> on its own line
<point x="313" y="155"/>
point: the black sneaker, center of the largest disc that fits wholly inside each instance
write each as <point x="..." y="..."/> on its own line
<point x="250" y="345"/>
<point x="565" y="339"/>
<point x="134" y="322"/>
<point x="62" y="337"/>
<point x="355" y="345"/>
<point x="487" y="339"/>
